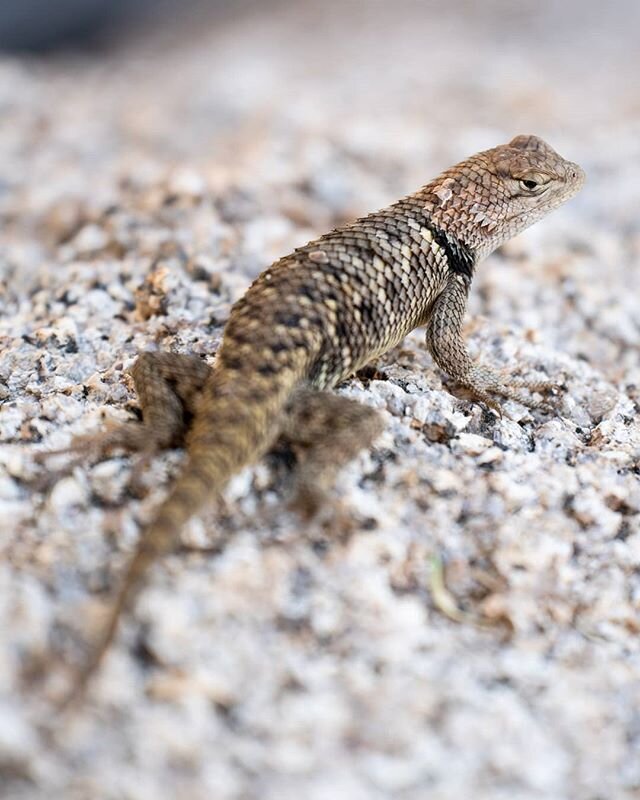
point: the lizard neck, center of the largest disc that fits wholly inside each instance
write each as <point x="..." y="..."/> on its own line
<point x="460" y="257"/>
<point x="453" y="205"/>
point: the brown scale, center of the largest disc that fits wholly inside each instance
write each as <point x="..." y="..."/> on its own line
<point x="312" y="319"/>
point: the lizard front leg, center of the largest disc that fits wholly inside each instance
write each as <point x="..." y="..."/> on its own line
<point x="445" y="342"/>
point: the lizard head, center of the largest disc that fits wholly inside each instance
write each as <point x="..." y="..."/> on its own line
<point x="497" y="193"/>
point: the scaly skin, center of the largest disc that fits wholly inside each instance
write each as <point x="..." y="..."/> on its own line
<point x="318" y="315"/>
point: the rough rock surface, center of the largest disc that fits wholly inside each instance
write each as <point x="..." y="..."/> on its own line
<point x="475" y="633"/>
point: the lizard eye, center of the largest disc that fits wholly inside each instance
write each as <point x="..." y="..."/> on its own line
<point x="533" y="182"/>
<point x="528" y="185"/>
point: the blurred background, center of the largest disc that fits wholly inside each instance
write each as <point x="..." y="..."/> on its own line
<point x="403" y="86"/>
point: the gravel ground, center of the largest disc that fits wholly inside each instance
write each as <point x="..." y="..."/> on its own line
<point x="140" y="192"/>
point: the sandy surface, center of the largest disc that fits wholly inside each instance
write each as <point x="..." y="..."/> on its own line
<point x="140" y="192"/>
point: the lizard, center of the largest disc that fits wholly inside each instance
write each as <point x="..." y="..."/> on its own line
<point x="312" y="319"/>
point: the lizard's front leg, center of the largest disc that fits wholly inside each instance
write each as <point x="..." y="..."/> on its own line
<point x="445" y="342"/>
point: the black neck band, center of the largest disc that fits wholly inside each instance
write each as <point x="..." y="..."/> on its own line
<point x="461" y="259"/>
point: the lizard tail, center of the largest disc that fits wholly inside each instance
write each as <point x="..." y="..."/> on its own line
<point x="235" y="426"/>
